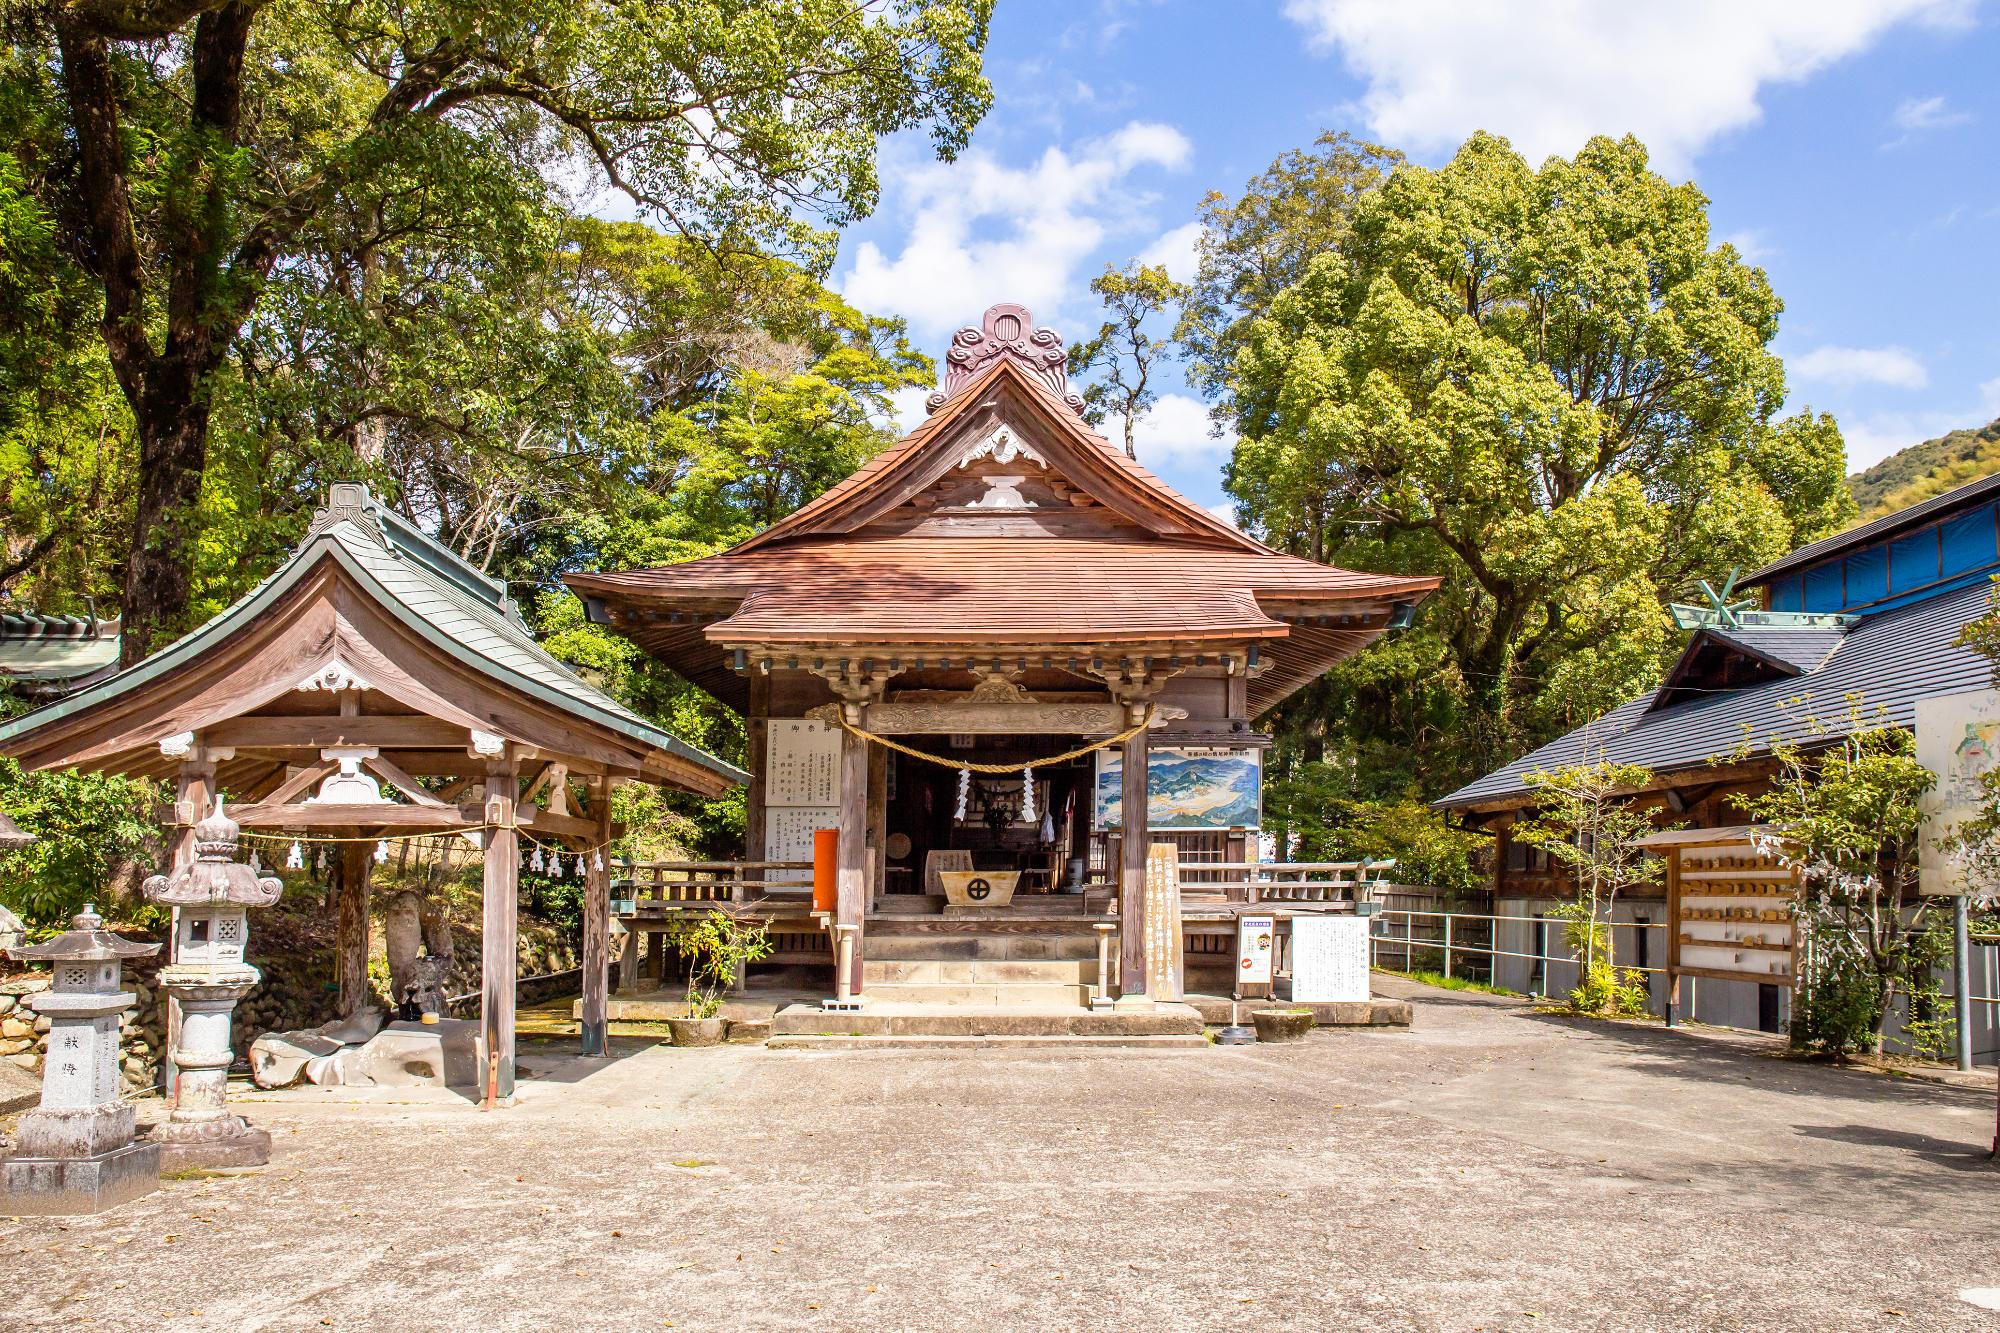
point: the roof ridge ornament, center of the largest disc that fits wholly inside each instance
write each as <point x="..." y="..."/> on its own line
<point x="1006" y="330"/>
<point x="347" y="502"/>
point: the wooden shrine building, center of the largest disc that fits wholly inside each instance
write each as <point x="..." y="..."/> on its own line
<point x="1004" y="589"/>
<point x="377" y="686"/>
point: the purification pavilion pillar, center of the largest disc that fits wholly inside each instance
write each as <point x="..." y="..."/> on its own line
<point x="597" y="927"/>
<point x="498" y="926"/>
<point x="1132" y="845"/>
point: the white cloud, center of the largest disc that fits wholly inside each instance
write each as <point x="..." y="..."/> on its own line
<point x="906" y="408"/>
<point x="1175" y="431"/>
<point x="1548" y="74"/>
<point x="1895" y="366"/>
<point x="1226" y="511"/>
<point x="1176" y="251"/>
<point x="1752" y="243"/>
<point x="979" y="231"/>
<point x="1918" y="114"/>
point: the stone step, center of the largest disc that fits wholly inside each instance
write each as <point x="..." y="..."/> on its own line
<point x="880" y="1017"/>
<point x="997" y="993"/>
<point x="1058" y="1042"/>
<point x="889" y="944"/>
<point x="978" y="971"/>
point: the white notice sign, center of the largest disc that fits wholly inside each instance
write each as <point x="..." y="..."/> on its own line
<point x="1329" y="959"/>
<point x="802" y="764"/>
<point x="1256" y="941"/>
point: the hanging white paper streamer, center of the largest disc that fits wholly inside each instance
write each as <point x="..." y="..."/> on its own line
<point x="381" y="851"/>
<point x="538" y="865"/>
<point x="964" y="791"/>
<point x="1028" y="795"/>
<point x="597" y="859"/>
<point x="579" y="863"/>
<point x="295" y="858"/>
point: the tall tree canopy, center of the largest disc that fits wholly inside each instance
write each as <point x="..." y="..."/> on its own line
<point x="1549" y="387"/>
<point x="186" y="154"/>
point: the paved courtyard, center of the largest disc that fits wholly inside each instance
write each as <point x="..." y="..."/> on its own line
<point x="1490" y="1169"/>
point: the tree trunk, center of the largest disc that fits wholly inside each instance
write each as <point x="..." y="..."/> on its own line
<point x="173" y="451"/>
<point x="350" y="926"/>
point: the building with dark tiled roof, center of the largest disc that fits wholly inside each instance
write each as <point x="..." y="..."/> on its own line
<point x="1862" y="624"/>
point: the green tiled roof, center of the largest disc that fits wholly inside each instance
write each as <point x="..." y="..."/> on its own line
<point x="430" y="589"/>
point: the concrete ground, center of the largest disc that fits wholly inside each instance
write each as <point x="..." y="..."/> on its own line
<point x="1487" y="1169"/>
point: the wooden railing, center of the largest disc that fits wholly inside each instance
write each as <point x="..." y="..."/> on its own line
<point x="641" y="887"/>
<point x="1253" y="882"/>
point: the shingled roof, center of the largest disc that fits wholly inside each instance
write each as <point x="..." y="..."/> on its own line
<point x="895" y="556"/>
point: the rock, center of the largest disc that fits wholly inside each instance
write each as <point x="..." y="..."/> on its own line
<point x="416" y="1055"/>
<point x="43" y="1023"/>
<point x="13" y="1027"/>
<point x="24" y="986"/>
<point x="7" y="1003"/>
<point x="25" y="1061"/>
<point x="14" y="1046"/>
<point x="278" y="1059"/>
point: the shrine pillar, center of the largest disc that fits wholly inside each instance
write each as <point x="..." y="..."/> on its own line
<point x="1132" y="843"/>
<point x="851" y="880"/>
<point x="499" y="926"/>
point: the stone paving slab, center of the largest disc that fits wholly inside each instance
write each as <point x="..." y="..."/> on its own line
<point x="1485" y="1169"/>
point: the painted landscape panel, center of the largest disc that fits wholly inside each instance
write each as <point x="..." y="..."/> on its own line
<point x="1193" y="789"/>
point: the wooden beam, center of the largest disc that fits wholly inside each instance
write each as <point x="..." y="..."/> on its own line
<point x="297" y="783"/>
<point x="388" y="732"/>
<point x="309" y="815"/>
<point x="547" y="822"/>
<point x="498" y="929"/>
<point x="386" y="768"/>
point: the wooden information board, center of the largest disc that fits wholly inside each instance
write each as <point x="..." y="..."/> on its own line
<point x="1731" y="907"/>
<point x="1329" y="958"/>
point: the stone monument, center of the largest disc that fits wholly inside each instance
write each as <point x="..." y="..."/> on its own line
<point x="208" y="976"/>
<point x="75" y="1153"/>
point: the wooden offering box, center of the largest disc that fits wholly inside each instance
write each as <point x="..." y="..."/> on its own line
<point x="1731" y="904"/>
<point x="979" y="888"/>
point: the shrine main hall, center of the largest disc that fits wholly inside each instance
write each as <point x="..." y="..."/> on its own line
<point x="971" y="661"/>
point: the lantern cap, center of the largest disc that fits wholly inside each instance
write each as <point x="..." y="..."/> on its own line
<point x="215" y="876"/>
<point x="86" y="941"/>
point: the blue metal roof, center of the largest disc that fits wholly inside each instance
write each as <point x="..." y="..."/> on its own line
<point x="1887" y="661"/>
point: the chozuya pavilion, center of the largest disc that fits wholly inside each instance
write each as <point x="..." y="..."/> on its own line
<point x="974" y="656"/>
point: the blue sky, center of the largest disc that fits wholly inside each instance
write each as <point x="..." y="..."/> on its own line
<point x="1848" y="147"/>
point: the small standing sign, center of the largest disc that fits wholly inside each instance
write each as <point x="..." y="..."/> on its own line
<point x="1256" y="945"/>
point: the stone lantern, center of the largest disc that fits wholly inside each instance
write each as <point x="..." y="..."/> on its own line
<point x="207" y="977"/>
<point x="75" y="1153"/>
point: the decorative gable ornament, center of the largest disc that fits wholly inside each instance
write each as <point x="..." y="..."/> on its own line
<point x="1006" y="330"/>
<point x="334" y="677"/>
<point x="1003" y="446"/>
<point x="349" y="786"/>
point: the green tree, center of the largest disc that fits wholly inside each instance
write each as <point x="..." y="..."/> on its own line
<point x="1122" y="354"/>
<point x="1586" y="822"/>
<point x="1846" y="802"/>
<point x="1255" y="246"/>
<point x="199" y="141"/>
<point x="1547" y="386"/>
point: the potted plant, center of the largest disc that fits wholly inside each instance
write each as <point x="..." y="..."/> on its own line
<point x="715" y="948"/>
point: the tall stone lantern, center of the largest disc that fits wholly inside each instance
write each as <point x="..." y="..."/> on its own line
<point x="208" y="976"/>
<point x="75" y="1152"/>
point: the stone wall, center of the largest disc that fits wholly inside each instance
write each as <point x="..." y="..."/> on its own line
<point x="296" y="958"/>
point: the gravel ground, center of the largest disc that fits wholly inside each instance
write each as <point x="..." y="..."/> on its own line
<point x="1489" y="1169"/>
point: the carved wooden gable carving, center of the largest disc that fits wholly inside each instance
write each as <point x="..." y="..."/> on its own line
<point x="1005" y="331"/>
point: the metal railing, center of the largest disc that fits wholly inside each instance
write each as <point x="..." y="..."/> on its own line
<point x="1448" y="938"/>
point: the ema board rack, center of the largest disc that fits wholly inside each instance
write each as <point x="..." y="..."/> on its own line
<point x="1732" y="906"/>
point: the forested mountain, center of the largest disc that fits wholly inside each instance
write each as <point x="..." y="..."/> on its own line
<point x="1921" y="471"/>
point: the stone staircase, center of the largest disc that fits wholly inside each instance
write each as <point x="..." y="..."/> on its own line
<point x="998" y="979"/>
